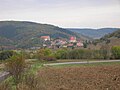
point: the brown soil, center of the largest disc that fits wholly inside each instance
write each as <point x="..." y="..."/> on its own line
<point x="81" y="78"/>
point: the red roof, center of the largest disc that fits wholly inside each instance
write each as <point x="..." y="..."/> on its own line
<point x="45" y="37"/>
<point x="79" y="44"/>
<point x="70" y="44"/>
<point x="72" y="38"/>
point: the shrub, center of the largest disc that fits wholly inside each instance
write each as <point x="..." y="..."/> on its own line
<point x="49" y="58"/>
<point x="31" y="82"/>
<point x="6" y="54"/>
<point x="116" y="52"/>
<point x="5" y="86"/>
<point x="61" y="54"/>
<point x="43" y="52"/>
<point x="82" y="54"/>
<point x="96" y="54"/>
<point x="105" y="52"/>
<point x="46" y="54"/>
<point x="16" y="66"/>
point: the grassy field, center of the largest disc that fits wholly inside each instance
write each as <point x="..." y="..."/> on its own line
<point x="87" y="65"/>
<point x="36" y="65"/>
<point x="70" y="60"/>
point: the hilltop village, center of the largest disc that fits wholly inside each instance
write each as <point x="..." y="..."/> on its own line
<point x="48" y="42"/>
<point x="72" y="42"/>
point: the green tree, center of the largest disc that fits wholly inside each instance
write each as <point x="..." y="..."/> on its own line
<point x="105" y="51"/>
<point x="45" y="54"/>
<point x="61" y="54"/>
<point x="116" y="52"/>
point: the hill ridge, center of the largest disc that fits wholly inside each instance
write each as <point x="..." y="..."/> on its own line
<point x="93" y="33"/>
<point x="26" y="34"/>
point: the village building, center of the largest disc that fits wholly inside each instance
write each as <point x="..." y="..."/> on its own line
<point x="72" y="39"/>
<point x="46" y="38"/>
<point x="60" y="42"/>
<point x="79" y="44"/>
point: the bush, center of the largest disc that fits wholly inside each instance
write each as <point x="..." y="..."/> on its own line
<point x="5" y="86"/>
<point x="96" y="54"/>
<point x="82" y="54"/>
<point x="49" y="55"/>
<point x="105" y="52"/>
<point x="49" y="58"/>
<point x="116" y="52"/>
<point x="46" y="54"/>
<point x="61" y="54"/>
<point x="16" y="66"/>
<point x="6" y="54"/>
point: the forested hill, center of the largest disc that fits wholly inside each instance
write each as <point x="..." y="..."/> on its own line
<point x="26" y="34"/>
<point x="113" y="35"/>
<point x="112" y="39"/>
<point x="93" y="33"/>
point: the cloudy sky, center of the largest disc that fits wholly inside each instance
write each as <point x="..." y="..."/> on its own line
<point x="63" y="13"/>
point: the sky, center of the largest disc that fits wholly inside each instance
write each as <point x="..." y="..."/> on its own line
<point x="63" y="13"/>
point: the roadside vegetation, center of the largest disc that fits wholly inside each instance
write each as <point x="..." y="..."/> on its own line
<point x="21" y="72"/>
<point x="30" y="74"/>
<point x="103" y="53"/>
<point x="72" y="77"/>
<point x="6" y="54"/>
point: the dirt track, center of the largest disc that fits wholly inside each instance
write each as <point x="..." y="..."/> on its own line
<point x="83" y="62"/>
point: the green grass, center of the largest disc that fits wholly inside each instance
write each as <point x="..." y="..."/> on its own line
<point x="36" y="66"/>
<point x="70" y="60"/>
<point x="87" y="65"/>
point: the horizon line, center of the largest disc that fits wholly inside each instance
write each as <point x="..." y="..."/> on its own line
<point x="37" y="22"/>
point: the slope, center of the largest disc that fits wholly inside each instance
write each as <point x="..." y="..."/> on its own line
<point x="27" y="34"/>
<point x="94" y="33"/>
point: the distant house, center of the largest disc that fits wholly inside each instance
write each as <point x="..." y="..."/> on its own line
<point x="79" y="44"/>
<point x="72" y="39"/>
<point x="70" y="45"/>
<point x="45" y="38"/>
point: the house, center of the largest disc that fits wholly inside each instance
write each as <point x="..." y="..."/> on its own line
<point x="46" y="38"/>
<point x="72" y="39"/>
<point x="79" y="44"/>
<point x="70" y="45"/>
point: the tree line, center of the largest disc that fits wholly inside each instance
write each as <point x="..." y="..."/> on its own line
<point x="103" y="53"/>
<point x="51" y="55"/>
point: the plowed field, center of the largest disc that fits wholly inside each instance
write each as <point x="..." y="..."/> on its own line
<point x="81" y="78"/>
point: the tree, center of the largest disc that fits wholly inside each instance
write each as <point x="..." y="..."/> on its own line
<point x="84" y="45"/>
<point x="105" y="51"/>
<point x="116" y="52"/>
<point x="45" y="54"/>
<point x="61" y="54"/>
